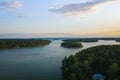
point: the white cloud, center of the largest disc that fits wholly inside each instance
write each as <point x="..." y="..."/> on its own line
<point x="79" y="8"/>
<point x="10" y="5"/>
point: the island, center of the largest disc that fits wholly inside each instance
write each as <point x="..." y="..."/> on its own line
<point x="117" y="40"/>
<point x="70" y="44"/>
<point x="20" y="43"/>
<point x="96" y="61"/>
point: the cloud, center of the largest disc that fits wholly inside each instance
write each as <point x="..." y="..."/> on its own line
<point x="10" y="5"/>
<point x="20" y="16"/>
<point x="79" y="8"/>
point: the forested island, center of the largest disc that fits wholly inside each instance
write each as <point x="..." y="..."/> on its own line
<point x="90" y="39"/>
<point x="117" y="40"/>
<point x="71" y="44"/>
<point x="19" y="43"/>
<point x="103" y="60"/>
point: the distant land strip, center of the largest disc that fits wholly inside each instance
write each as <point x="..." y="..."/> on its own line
<point x="20" y="43"/>
<point x="90" y="39"/>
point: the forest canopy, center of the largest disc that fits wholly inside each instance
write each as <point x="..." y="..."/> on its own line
<point x="83" y="65"/>
<point x="16" y="43"/>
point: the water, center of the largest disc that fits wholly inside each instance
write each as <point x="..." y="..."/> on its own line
<point x="38" y="63"/>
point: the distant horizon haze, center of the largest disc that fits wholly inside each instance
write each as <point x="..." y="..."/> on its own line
<point x="52" y="35"/>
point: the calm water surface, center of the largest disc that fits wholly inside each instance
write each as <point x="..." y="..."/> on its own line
<point x="38" y="63"/>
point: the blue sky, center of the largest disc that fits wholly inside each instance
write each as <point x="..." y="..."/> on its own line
<point x="80" y="17"/>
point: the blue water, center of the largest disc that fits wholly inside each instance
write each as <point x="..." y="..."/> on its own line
<point x="38" y="63"/>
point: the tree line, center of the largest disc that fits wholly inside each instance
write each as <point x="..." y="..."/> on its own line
<point x="16" y="43"/>
<point x="90" y="39"/>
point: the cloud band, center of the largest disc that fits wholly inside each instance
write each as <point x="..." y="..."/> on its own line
<point x="79" y="8"/>
<point x="10" y="5"/>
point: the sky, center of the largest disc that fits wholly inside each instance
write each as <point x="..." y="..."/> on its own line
<point x="60" y="17"/>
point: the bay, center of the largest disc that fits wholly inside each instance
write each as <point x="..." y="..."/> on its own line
<point x="38" y="63"/>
